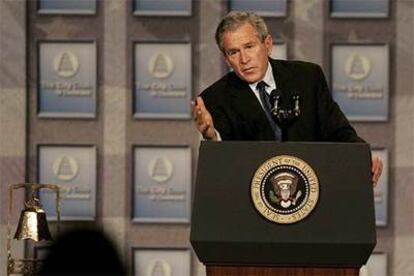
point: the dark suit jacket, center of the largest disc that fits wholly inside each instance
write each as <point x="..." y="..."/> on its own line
<point x="238" y="115"/>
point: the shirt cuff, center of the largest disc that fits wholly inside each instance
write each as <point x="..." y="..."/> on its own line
<point x="218" y="137"/>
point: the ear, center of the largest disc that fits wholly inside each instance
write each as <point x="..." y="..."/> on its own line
<point x="268" y="43"/>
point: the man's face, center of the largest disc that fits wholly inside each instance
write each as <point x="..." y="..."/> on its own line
<point x="245" y="53"/>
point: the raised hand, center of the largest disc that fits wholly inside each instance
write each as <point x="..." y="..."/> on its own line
<point x="203" y="120"/>
<point x="376" y="169"/>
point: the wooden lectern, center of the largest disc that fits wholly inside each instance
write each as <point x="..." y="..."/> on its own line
<point x="231" y="237"/>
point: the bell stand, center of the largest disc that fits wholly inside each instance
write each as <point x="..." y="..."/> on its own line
<point x="27" y="266"/>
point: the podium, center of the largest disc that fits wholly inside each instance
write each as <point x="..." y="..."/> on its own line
<point x="231" y="236"/>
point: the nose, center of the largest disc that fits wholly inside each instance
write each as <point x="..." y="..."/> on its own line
<point x="244" y="57"/>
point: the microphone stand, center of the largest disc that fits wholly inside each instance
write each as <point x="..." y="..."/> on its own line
<point x="284" y="117"/>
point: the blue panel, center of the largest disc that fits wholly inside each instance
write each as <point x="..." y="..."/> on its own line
<point x="67" y="80"/>
<point x="162" y="184"/>
<point x="261" y="7"/>
<point x="67" y="6"/>
<point x="162" y="7"/>
<point x="162" y="80"/>
<point x="359" y="8"/>
<point x="74" y="170"/>
<point x="360" y="81"/>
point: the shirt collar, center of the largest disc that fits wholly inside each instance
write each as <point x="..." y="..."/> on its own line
<point x="268" y="79"/>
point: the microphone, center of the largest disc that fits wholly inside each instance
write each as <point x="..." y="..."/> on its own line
<point x="284" y="112"/>
<point x="275" y="101"/>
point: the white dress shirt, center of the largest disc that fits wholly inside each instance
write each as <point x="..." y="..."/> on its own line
<point x="268" y="79"/>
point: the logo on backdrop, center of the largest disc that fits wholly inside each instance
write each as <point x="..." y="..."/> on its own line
<point x="285" y="189"/>
<point x="357" y="67"/>
<point x="65" y="168"/>
<point x="159" y="267"/>
<point x="161" y="66"/>
<point x="160" y="169"/>
<point x="66" y="64"/>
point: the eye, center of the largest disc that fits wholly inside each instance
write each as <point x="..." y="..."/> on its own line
<point x="231" y="53"/>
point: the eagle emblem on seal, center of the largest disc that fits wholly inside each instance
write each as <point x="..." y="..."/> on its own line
<point x="284" y="190"/>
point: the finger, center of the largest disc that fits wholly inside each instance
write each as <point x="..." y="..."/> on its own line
<point x="199" y="101"/>
<point x="200" y="104"/>
<point x="195" y="104"/>
<point x="374" y="162"/>
<point x="206" y="117"/>
<point x="376" y="165"/>
<point x="379" y="169"/>
<point x="374" y="168"/>
<point x="376" y="176"/>
<point x="201" y="116"/>
<point x="202" y="127"/>
<point x="206" y="123"/>
<point x="207" y="129"/>
<point x="374" y="179"/>
<point x="197" y="114"/>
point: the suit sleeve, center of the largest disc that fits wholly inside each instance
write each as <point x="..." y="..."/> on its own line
<point x="333" y="124"/>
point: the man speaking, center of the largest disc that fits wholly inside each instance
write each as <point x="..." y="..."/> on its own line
<point x="266" y="99"/>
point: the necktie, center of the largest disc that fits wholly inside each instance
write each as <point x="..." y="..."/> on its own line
<point x="265" y="98"/>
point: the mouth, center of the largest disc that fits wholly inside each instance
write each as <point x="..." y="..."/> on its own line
<point x="248" y="70"/>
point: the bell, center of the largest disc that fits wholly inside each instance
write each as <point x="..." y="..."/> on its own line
<point x="33" y="223"/>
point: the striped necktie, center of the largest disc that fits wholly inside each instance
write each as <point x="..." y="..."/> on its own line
<point x="265" y="98"/>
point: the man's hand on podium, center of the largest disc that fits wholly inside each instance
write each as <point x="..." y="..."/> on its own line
<point x="376" y="169"/>
<point x="203" y="120"/>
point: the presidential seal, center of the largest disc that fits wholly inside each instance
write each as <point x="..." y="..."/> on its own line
<point x="285" y="189"/>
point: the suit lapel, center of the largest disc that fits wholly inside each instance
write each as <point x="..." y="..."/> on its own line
<point x="281" y="76"/>
<point x="249" y="111"/>
<point x="242" y="95"/>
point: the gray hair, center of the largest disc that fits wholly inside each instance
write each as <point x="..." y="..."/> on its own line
<point x="235" y="19"/>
